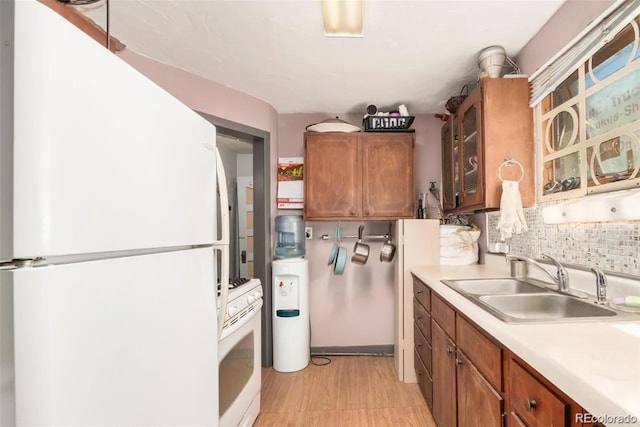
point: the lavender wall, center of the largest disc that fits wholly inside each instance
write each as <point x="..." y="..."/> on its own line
<point x="357" y="308"/>
<point x="212" y="98"/>
<point x="564" y="25"/>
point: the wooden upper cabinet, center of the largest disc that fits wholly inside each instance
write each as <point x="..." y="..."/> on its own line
<point x="354" y="176"/>
<point x="494" y="123"/>
<point x="332" y="176"/>
<point x="387" y="176"/>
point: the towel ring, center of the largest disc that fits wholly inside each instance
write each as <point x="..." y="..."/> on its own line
<point x="510" y="162"/>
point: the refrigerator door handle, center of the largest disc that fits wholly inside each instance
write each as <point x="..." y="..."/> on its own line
<point x="224" y="285"/>
<point x="224" y="201"/>
<point x="222" y="244"/>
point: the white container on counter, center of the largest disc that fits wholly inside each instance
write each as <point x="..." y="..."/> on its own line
<point x="458" y="245"/>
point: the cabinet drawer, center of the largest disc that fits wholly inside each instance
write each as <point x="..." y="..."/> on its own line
<point x="422" y="319"/>
<point x="444" y="315"/>
<point x="484" y="354"/>
<point x="422" y="293"/>
<point x="422" y="347"/>
<point x="532" y="402"/>
<point x="424" y="380"/>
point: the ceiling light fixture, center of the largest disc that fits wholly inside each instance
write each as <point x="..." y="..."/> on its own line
<point x="342" y="18"/>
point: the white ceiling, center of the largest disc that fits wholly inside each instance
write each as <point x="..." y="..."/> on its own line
<point x="416" y="52"/>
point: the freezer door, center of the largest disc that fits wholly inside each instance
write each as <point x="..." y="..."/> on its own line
<point x="119" y="342"/>
<point x="105" y="159"/>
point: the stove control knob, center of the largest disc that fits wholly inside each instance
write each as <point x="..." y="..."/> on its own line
<point x="232" y="310"/>
<point x="251" y="298"/>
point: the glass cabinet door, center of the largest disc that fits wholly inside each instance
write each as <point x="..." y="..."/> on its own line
<point x="448" y="189"/>
<point x="470" y="158"/>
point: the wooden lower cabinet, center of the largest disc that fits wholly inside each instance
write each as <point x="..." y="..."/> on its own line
<point x="473" y="381"/>
<point x="444" y="377"/>
<point x="424" y="379"/>
<point x="534" y="403"/>
<point x="479" y="405"/>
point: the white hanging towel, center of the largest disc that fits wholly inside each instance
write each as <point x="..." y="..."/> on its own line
<point x="511" y="214"/>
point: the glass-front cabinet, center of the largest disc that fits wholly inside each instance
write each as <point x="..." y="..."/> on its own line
<point x="449" y="150"/>
<point x="590" y="124"/>
<point x="470" y="157"/>
<point x="493" y="124"/>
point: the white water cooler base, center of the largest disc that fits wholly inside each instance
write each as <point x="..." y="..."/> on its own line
<point x="291" y="337"/>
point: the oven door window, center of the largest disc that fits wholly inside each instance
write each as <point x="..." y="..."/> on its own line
<point x="235" y="371"/>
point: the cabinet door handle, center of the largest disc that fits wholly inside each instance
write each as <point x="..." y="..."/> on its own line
<point x="449" y="351"/>
<point x="366" y="212"/>
<point x="458" y="362"/>
<point x="352" y="212"/>
<point x="530" y="405"/>
<point x="419" y="291"/>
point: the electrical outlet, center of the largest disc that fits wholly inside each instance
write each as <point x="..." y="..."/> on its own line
<point x="308" y="232"/>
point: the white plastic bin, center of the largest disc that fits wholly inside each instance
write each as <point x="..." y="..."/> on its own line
<point x="458" y="245"/>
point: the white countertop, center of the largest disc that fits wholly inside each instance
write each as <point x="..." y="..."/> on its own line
<point x="595" y="363"/>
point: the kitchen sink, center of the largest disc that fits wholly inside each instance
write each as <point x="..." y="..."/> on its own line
<point x="543" y="307"/>
<point x="514" y="300"/>
<point x="494" y="286"/>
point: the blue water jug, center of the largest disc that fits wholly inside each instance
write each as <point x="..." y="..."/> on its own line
<point x="290" y="236"/>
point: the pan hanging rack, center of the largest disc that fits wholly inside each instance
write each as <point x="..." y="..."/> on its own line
<point x="364" y="237"/>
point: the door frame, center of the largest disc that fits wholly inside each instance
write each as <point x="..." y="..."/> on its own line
<point x="244" y="182"/>
<point x="261" y="141"/>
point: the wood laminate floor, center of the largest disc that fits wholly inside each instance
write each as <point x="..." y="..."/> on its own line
<point x="352" y="391"/>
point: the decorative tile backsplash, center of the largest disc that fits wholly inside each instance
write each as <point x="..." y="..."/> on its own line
<point x="612" y="246"/>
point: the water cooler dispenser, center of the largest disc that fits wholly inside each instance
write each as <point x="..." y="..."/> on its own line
<point x="291" y="335"/>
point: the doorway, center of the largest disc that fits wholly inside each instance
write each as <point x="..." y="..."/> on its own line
<point x="260" y="141"/>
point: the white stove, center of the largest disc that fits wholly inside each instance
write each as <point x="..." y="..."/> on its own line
<point x="245" y="295"/>
<point x="239" y="355"/>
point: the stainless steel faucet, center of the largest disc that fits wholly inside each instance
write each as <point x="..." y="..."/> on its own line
<point x="601" y="285"/>
<point x="561" y="279"/>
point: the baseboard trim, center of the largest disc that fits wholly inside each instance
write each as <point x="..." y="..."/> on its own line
<point x="362" y="350"/>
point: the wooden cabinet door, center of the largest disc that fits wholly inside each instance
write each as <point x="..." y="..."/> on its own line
<point x="479" y="405"/>
<point x="532" y="401"/>
<point x="470" y="158"/>
<point x="332" y="176"/>
<point x="388" y="176"/>
<point x="448" y="172"/>
<point x="444" y="377"/>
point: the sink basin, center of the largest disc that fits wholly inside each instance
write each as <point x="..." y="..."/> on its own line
<point x="500" y="286"/>
<point x="529" y="300"/>
<point x="542" y="307"/>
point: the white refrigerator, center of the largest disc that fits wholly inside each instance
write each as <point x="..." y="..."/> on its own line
<point x="107" y="192"/>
